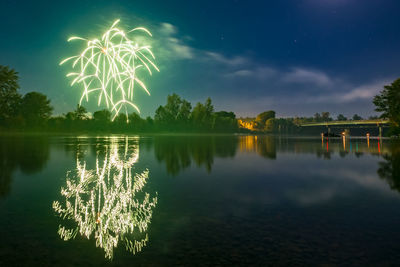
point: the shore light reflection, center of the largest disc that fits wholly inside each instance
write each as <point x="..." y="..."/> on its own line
<point x="108" y="202"/>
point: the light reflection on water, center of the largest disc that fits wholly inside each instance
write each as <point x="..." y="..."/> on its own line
<point x="221" y="200"/>
<point x="108" y="203"/>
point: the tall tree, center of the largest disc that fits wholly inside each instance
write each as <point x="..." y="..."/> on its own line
<point x="175" y="114"/>
<point x="36" y="108"/>
<point x="70" y="116"/>
<point x="102" y="119"/>
<point x="202" y="115"/>
<point x="317" y="117"/>
<point x="184" y="112"/>
<point x="172" y="107"/>
<point x="270" y="125"/>
<point x="388" y="102"/>
<point x="325" y="116"/>
<point x="225" y="121"/>
<point x="263" y="117"/>
<point x="209" y="107"/>
<point x="136" y="123"/>
<point x="102" y="116"/>
<point x="341" y="117"/>
<point x="10" y="99"/>
<point x="80" y="112"/>
<point x="161" y="114"/>
<point x="198" y="114"/>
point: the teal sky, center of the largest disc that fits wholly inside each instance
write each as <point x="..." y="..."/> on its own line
<point x="297" y="57"/>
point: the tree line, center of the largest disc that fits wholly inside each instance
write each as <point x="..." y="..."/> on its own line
<point x="33" y="111"/>
<point x="267" y="122"/>
<point x="176" y="115"/>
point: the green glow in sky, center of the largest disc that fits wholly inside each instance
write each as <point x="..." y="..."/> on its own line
<point x="108" y="68"/>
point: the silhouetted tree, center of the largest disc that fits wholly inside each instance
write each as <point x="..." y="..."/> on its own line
<point x="103" y="116"/>
<point x="80" y="113"/>
<point x="70" y="116"/>
<point x="225" y="114"/>
<point x="184" y="112"/>
<point x="102" y="119"/>
<point x="388" y="102"/>
<point x="317" y="117"/>
<point x="36" y="109"/>
<point x="270" y="125"/>
<point x="10" y="99"/>
<point x="341" y="117"/>
<point x="136" y="123"/>
<point x="149" y="124"/>
<point x="263" y="117"/>
<point x="202" y="115"/>
<point x="356" y="117"/>
<point x="325" y="116"/>
<point x="172" y="107"/>
<point x="160" y="115"/>
<point x="175" y="115"/>
<point x="56" y="123"/>
<point x="198" y="115"/>
<point x="224" y="121"/>
<point x="120" y="123"/>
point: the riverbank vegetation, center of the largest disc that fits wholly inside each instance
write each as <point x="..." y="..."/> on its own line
<point x="33" y="112"/>
<point x="388" y="103"/>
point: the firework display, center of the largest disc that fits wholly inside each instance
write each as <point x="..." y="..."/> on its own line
<point x="108" y="68"/>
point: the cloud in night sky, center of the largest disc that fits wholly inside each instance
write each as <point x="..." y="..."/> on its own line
<point x="171" y="45"/>
<point x="304" y="76"/>
<point x="264" y="86"/>
<point x="294" y="57"/>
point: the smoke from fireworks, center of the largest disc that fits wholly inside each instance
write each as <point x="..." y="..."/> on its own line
<point x="108" y="67"/>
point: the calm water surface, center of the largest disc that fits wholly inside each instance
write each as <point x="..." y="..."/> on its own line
<point x="198" y="200"/>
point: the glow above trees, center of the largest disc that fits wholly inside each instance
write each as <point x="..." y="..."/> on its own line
<point x="109" y="67"/>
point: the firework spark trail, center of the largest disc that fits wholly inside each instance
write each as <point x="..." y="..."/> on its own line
<point x="108" y="203"/>
<point x="109" y="67"/>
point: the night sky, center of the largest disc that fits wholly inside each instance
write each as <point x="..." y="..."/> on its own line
<point x="295" y="57"/>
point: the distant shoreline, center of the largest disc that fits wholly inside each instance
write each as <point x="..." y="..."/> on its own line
<point x="9" y="133"/>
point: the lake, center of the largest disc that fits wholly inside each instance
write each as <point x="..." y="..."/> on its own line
<point x="198" y="200"/>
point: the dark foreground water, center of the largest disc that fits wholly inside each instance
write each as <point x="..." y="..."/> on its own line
<point x="196" y="201"/>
